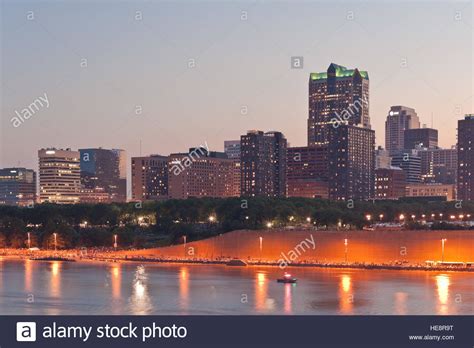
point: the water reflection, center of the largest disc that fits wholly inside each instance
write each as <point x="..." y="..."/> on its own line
<point x="76" y="288"/>
<point x="442" y="284"/>
<point x="346" y="298"/>
<point x="28" y="276"/>
<point x="184" y="287"/>
<point x="116" y="279"/>
<point x="140" y="302"/>
<point x="261" y="289"/>
<point x="401" y="303"/>
<point x="288" y="297"/>
<point x="55" y="280"/>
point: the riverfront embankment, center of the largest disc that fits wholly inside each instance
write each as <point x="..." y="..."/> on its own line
<point x="380" y="249"/>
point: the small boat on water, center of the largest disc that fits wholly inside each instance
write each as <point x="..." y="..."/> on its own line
<point x="287" y="279"/>
<point x="236" y="262"/>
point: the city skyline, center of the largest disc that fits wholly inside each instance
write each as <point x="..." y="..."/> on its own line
<point x="169" y="126"/>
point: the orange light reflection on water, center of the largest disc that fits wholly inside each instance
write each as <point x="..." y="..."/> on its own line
<point x="116" y="278"/>
<point x="442" y="285"/>
<point x="55" y="280"/>
<point x="261" y="290"/>
<point x="184" y="287"/>
<point x="346" y="298"/>
<point x="28" y="276"/>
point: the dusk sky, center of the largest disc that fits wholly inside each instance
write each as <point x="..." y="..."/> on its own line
<point x="238" y="63"/>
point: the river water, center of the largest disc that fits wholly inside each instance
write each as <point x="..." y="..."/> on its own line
<point x="69" y="288"/>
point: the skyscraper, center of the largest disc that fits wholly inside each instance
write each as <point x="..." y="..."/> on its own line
<point x="17" y="186"/>
<point x="149" y="178"/>
<point x="232" y="150"/>
<point x="339" y="119"/>
<point x="59" y="176"/>
<point x="351" y="163"/>
<point x="399" y="119"/>
<point x="466" y="158"/>
<point x="105" y="170"/>
<point x="263" y="164"/>
<point x="339" y="95"/>
<point x="420" y="138"/>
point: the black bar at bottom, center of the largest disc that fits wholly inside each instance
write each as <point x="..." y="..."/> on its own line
<point x="238" y="331"/>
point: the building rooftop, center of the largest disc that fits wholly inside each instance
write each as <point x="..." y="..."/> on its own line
<point x="341" y="71"/>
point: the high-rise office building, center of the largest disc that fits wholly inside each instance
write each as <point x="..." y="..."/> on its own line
<point x="59" y="176"/>
<point x="17" y="186"/>
<point x="232" y="150"/>
<point x="339" y="118"/>
<point x="104" y="170"/>
<point x="307" y="172"/>
<point x="351" y="163"/>
<point x="439" y="165"/>
<point x="340" y="96"/>
<point x="410" y="162"/>
<point x="263" y="164"/>
<point x="200" y="173"/>
<point x="399" y="119"/>
<point x="466" y="158"/>
<point x="149" y="178"/>
<point x="420" y="138"/>
<point x="389" y="183"/>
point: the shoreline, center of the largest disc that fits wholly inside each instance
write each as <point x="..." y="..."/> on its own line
<point x="75" y="256"/>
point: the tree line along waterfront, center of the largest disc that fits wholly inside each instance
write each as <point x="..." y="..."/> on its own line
<point x="162" y="223"/>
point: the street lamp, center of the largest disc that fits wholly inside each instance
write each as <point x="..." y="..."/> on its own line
<point x="115" y="242"/>
<point x="308" y="219"/>
<point x="345" y="249"/>
<point x="381" y="217"/>
<point x="212" y="218"/>
<point x="442" y="248"/>
<point x="368" y="217"/>
<point x="55" y="240"/>
<point x="401" y="217"/>
<point x="269" y="224"/>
